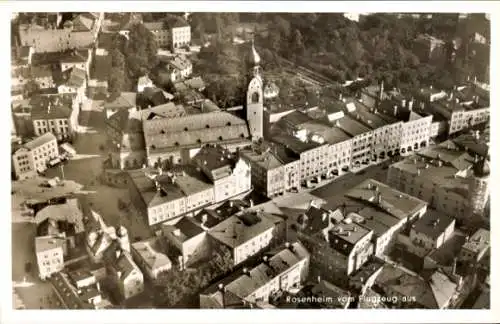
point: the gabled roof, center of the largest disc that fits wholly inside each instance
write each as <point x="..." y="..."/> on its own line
<point x="125" y="100"/>
<point x="125" y="265"/>
<point x="68" y="211"/>
<point x="186" y="227"/>
<point x="157" y="25"/>
<point x="150" y="194"/>
<point x="150" y="253"/>
<point x="244" y="285"/>
<point x="236" y="230"/>
<point x="193" y="130"/>
<point x="434" y="293"/>
<point x="47" y="243"/>
<point x="101" y="67"/>
<point x="432" y="224"/>
<point x="82" y="23"/>
<point x="51" y="106"/>
<point x="167" y="110"/>
<point x="40" y="140"/>
<point x="77" y="78"/>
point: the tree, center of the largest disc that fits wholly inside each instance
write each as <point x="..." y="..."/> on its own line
<point x="297" y="43"/>
<point x="140" y="51"/>
<point x="116" y="81"/>
<point x="117" y="59"/>
<point x="221" y="261"/>
<point x="31" y="88"/>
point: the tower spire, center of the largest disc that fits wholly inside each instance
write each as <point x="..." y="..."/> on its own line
<point x="255" y="55"/>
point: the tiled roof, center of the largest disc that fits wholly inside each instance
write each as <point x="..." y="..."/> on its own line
<point x="351" y="126"/>
<point x="24" y="51"/>
<point x="188" y="229"/>
<point x="154" y="25"/>
<point x="41" y="71"/>
<point x="60" y="106"/>
<point x="156" y="96"/>
<point x="233" y="232"/>
<point x="479" y="241"/>
<point x="180" y="62"/>
<point x="378" y="221"/>
<point x="393" y="202"/>
<point x="67" y="292"/>
<point x="244" y="285"/>
<point x="167" y="110"/>
<point x="77" y="78"/>
<point x="148" y="191"/>
<point x="82" y="23"/>
<point x="129" y="19"/>
<point x="150" y="252"/>
<point x="193" y="130"/>
<point x="47" y="243"/>
<point x="126" y="265"/>
<point x="339" y="296"/>
<point x="40" y="140"/>
<point x="294" y="144"/>
<point x="125" y="100"/>
<point x="344" y="236"/>
<point x="215" y="161"/>
<point x="196" y="83"/>
<point x="432" y="224"/>
<point x="101" y="67"/>
<point x="431" y="294"/>
<point x="265" y="160"/>
<point x="68" y="211"/>
<point x="175" y="22"/>
<point x="53" y="40"/>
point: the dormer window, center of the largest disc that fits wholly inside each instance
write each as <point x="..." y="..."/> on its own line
<point x="199" y="141"/>
<point x="176" y="144"/>
<point x="162" y="131"/>
<point x="153" y="147"/>
<point x="207" y="126"/>
<point x="185" y="129"/>
<point x="228" y="124"/>
<point x="220" y="138"/>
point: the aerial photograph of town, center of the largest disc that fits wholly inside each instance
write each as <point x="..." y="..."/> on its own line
<point x="250" y="160"/>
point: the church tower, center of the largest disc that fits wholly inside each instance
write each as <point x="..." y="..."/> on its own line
<point x="255" y="98"/>
<point x="479" y="188"/>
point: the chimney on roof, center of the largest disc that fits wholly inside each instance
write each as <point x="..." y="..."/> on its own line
<point x="157" y="185"/>
<point x="119" y="274"/>
<point x="381" y="93"/>
<point x="395" y="110"/>
<point x="251" y="203"/>
<point x="476" y="99"/>
<point x="454" y="266"/>
<point x="324" y="216"/>
<point x="418" y="172"/>
<point x="221" y="287"/>
<point x="265" y="259"/>
<point x="379" y="198"/>
<point x="118" y="253"/>
<point x="245" y="271"/>
<point x="340" y="96"/>
<point x="176" y="232"/>
<point x="403" y="103"/>
<point x="427" y="165"/>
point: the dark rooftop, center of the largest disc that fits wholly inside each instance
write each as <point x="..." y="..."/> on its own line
<point x="432" y="224"/>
